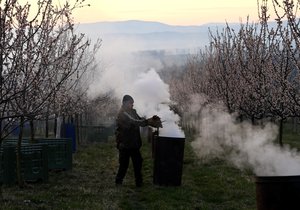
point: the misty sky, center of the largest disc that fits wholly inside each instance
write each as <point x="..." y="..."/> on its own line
<point x="174" y="12"/>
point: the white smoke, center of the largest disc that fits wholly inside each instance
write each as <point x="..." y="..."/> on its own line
<point x="127" y="73"/>
<point x="118" y="71"/>
<point x="153" y="97"/>
<point x="244" y="144"/>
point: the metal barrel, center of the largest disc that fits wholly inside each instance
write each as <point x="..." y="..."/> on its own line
<point x="277" y="192"/>
<point x="168" y="161"/>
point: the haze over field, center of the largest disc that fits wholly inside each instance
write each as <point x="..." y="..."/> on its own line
<point x="141" y="35"/>
<point x="133" y="47"/>
<point x="135" y="50"/>
<point x="131" y="60"/>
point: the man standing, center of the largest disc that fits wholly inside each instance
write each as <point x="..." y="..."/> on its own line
<point x="129" y="140"/>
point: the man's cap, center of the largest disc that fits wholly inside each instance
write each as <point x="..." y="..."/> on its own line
<point x="127" y="98"/>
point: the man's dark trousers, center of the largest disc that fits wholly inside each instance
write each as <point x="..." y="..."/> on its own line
<point x="137" y="160"/>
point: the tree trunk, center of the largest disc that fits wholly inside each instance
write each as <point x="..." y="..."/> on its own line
<point x="47" y="126"/>
<point x="71" y="119"/>
<point x="253" y="120"/>
<point x="77" y="128"/>
<point x="47" y="122"/>
<point x="280" y="132"/>
<point x="1" y="194"/>
<point x="80" y="126"/>
<point x="1" y="133"/>
<point x="31" y="130"/>
<point x="18" y="155"/>
<point x="62" y="127"/>
<point x="55" y="125"/>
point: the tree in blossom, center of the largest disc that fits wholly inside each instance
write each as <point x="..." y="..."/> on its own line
<point x="39" y="53"/>
<point x="253" y="71"/>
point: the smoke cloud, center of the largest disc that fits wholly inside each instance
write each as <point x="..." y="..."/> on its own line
<point x="128" y="73"/>
<point x="243" y="144"/>
<point x="153" y="97"/>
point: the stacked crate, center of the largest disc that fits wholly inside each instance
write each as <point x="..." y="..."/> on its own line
<point x="34" y="164"/>
<point x="7" y="163"/>
<point x="36" y="158"/>
<point x="59" y="153"/>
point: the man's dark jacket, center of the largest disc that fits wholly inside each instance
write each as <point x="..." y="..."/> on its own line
<point x="128" y="129"/>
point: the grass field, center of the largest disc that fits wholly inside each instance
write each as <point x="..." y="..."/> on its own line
<point x="211" y="185"/>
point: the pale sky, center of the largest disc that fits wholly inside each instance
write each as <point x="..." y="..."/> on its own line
<point x="174" y="12"/>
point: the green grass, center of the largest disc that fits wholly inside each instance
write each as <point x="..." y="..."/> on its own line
<point x="206" y="185"/>
<point x="210" y="185"/>
<point x="291" y="136"/>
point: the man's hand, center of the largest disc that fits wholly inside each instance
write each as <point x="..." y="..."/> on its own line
<point x="155" y="122"/>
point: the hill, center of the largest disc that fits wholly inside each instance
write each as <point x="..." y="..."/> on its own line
<point x="134" y="35"/>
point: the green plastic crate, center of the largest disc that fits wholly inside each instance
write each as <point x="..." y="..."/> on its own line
<point x="60" y="155"/>
<point x="7" y="161"/>
<point x="34" y="163"/>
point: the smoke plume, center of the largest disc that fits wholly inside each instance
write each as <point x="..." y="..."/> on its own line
<point x="154" y="98"/>
<point x="243" y="144"/>
<point x="127" y="73"/>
